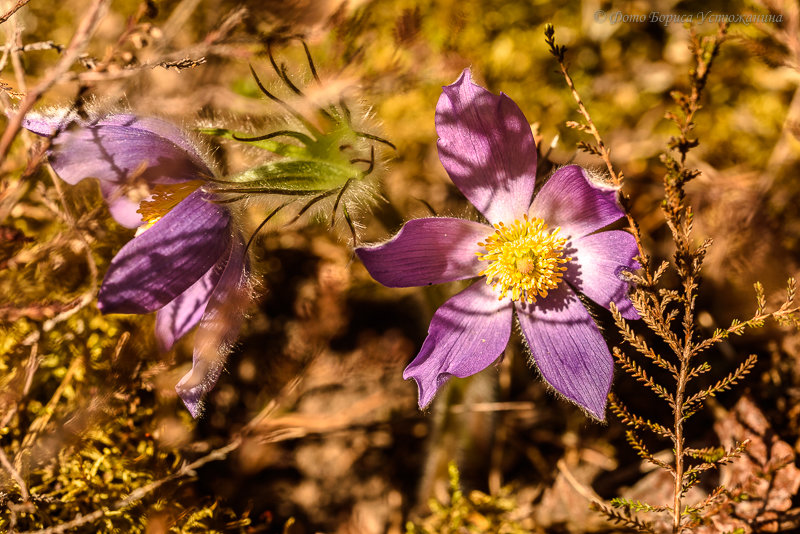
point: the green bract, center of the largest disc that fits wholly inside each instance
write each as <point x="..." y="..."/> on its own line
<point x="320" y="162"/>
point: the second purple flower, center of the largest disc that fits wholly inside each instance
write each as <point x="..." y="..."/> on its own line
<point x="189" y="264"/>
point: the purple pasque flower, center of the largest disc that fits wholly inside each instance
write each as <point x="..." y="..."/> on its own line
<point x="189" y="265"/>
<point x="534" y="260"/>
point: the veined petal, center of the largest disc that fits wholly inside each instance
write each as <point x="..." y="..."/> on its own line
<point x="427" y="251"/>
<point x="218" y="329"/>
<point x="568" y="349"/>
<point x="486" y="146"/>
<point x="125" y="152"/>
<point x="597" y="265"/>
<point x="175" y="319"/>
<point x="571" y="201"/>
<point x="467" y="333"/>
<point x="163" y="262"/>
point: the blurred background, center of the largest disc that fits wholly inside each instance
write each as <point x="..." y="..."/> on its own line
<point x="333" y="440"/>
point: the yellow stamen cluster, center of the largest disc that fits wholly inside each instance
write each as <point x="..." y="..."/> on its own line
<point x="524" y="258"/>
<point x="164" y="198"/>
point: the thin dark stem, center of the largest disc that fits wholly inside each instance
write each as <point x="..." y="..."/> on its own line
<point x="263" y="223"/>
<point x="296" y="114"/>
<point x="338" y="199"/>
<point x="370" y="161"/>
<point x="350" y="224"/>
<point x="268" y="191"/>
<point x="281" y="72"/>
<point x="310" y="203"/>
<point x="376" y="138"/>
<point x="279" y="133"/>
<point x="310" y="61"/>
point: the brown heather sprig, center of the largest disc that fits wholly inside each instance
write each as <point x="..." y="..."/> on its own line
<point x="600" y="149"/>
<point x="669" y="314"/>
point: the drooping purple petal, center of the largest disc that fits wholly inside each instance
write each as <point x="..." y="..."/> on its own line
<point x="467" y="333"/>
<point x="427" y="251"/>
<point x="487" y="147"/>
<point x="163" y="262"/>
<point x="128" y="154"/>
<point x="218" y="329"/>
<point x="571" y="201"/>
<point x="568" y="349"/>
<point x="175" y="319"/>
<point x="598" y="262"/>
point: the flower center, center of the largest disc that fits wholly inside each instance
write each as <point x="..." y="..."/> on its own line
<point x="525" y="259"/>
<point x="164" y="198"/>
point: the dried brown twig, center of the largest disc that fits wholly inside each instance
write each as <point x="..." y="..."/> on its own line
<point x="19" y="5"/>
<point x="617" y="178"/>
<point x="77" y="45"/>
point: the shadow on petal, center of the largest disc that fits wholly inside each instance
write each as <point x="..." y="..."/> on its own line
<point x="487" y="147"/>
<point x="174" y="320"/>
<point x="427" y="251"/>
<point x="598" y="266"/>
<point x="571" y="201"/>
<point x="163" y="262"/>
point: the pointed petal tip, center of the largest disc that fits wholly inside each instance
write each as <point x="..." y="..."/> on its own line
<point x="192" y="396"/>
<point x="590" y="407"/>
<point x="598" y="413"/>
<point x="425" y="395"/>
<point x="466" y="77"/>
<point x="193" y="402"/>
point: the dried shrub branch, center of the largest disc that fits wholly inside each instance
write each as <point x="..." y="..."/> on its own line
<point x="670" y="314"/>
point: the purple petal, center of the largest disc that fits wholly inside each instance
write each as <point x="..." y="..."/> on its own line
<point x="123" y="209"/>
<point x="127" y="153"/>
<point x="175" y="319"/>
<point x="568" y="349"/>
<point x="218" y="329"/>
<point x="46" y="125"/>
<point x="157" y="127"/>
<point x="427" y="251"/>
<point x="487" y="148"/>
<point x="570" y="200"/>
<point x="163" y="262"/>
<point x="467" y="333"/>
<point x="597" y="266"/>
